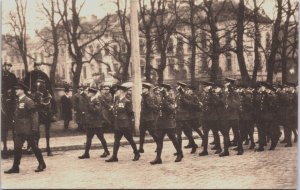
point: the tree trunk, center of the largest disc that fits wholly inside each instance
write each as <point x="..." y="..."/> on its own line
<point x="77" y="74"/>
<point x="125" y="74"/>
<point x="162" y="66"/>
<point x="240" y="42"/>
<point x="214" y="67"/>
<point x="148" y="58"/>
<point x="256" y="44"/>
<point x="275" y="43"/>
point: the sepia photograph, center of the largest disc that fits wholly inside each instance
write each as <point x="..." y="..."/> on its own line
<point x="149" y="94"/>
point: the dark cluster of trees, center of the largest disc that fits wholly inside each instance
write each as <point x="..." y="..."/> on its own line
<point x="160" y="20"/>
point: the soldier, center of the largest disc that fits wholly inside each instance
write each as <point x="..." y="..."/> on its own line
<point x="26" y="122"/>
<point x="123" y="115"/>
<point x="230" y="117"/>
<point x="246" y="110"/>
<point x="211" y="104"/>
<point x="266" y="112"/>
<point x="66" y="107"/>
<point x="9" y="80"/>
<point x="106" y="101"/>
<point x="183" y="103"/>
<point x="292" y="98"/>
<point x="166" y="125"/>
<point x="81" y="107"/>
<point x="94" y="124"/>
<point x="147" y="116"/>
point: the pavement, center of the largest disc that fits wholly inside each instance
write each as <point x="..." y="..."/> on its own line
<point x="253" y="170"/>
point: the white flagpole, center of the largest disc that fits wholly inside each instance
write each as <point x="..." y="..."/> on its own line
<point x="135" y="60"/>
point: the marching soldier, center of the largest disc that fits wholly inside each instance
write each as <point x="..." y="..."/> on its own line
<point x="166" y="125"/>
<point x="266" y="112"/>
<point x="80" y="107"/>
<point x="211" y="116"/>
<point x="106" y="101"/>
<point x="292" y="112"/>
<point x="246" y="110"/>
<point x="94" y="124"/>
<point x="9" y="80"/>
<point x="230" y="117"/>
<point x="183" y="124"/>
<point x="26" y="123"/>
<point x="123" y="115"/>
<point x="147" y="116"/>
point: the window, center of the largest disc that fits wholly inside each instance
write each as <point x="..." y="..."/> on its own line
<point x="228" y="62"/>
<point x="260" y="63"/>
<point x="84" y="73"/>
<point x="227" y="39"/>
<point x="268" y="41"/>
<point x="179" y="49"/>
<point x="170" y="46"/>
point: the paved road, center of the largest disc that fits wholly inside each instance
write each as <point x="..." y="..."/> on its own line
<point x="269" y="169"/>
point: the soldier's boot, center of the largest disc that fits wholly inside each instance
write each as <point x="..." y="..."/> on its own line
<point x="259" y="149"/>
<point x="14" y="169"/>
<point x="136" y="156"/>
<point x="49" y="152"/>
<point x="240" y="152"/>
<point x="84" y="156"/>
<point x="41" y="167"/>
<point x="194" y="149"/>
<point x="157" y="160"/>
<point x="105" y="154"/>
<point x="288" y="144"/>
<point x="218" y="151"/>
<point x="246" y="141"/>
<point x="252" y="146"/>
<point x="4" y="154"/>
<point x="179" y="156"/>
<point x="224" y="153"/>
<point x="141" y="150"/>
<point x="114" y="157"/>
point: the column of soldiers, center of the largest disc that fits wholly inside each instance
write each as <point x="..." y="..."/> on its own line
<point x="220" y="107"/>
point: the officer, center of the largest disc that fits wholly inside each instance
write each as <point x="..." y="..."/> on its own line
<point x="106" y="101"/>
<point x="246" y="109"/>
<point x="66" y="107"/>
<point x="156" y="101"/>
<point x="26" y="122"/>
<point x="211" y="104"/>
<point x="183" y="120"/>
<point x="123" y="116"/>
<point x="266" y="113"/>
<point x="230" y="117"/>
<point x="81" y="108"/>
<point x="94" y="124"/>
<point x="166" y="124"/>
<point x="9" y="80"/>
<point x="147" y="116"/>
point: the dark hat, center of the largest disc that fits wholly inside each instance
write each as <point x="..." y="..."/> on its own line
<point x="7" y="64"/>
<point x="37" y="64"/>
<point x="156" y="88"/>
<point x="40" y="80"/>
<point x="206" y="83"/>
<point x="104" y="86"/>
<point x="231" y="80"/>
<point x="146" y="86"/>
<point x="219" y="85"/>
<point x="166" y="86"/>
<point x="22" y="86"/>
<point x="182" y="84"/>
<point x="92" y="90"/>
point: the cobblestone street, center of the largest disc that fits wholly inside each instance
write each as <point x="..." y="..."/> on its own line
<point x="269" y="169"/>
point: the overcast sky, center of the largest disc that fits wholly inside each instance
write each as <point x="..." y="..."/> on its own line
<point x="97" y="7"/>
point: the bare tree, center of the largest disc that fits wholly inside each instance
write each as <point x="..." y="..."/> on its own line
<point x="165" y="26"/>
<point x="50" y="36"/>
<point x="148" y="17"/>
<point x="275" y="41"/>
<point x="18" y="40"/>
<point x="79" y="35"/>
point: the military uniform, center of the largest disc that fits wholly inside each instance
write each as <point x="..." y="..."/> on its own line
<point x="123" y="116"/>
<point x="265" y="124"/>
<point x="147" y="119"/>
<point x="66" y="109"/>
<point x="211" y="119"/>
<point x="106" y="101"/>
<point x="94" y="125"/>
<point x="9" y="80"/>
<point x="80" y="107"/>
<point x="166" y="125"/>
<point x="26" y="123"/>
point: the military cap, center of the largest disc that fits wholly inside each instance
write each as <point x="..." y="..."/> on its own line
<point x="182" y="84"/>
<point x="92" y="90"/>
<point x="120" y="87"/>
<point x="22" y="86"/>
<point x="144" y="85"/>
<point x="7" y="64"/>
<point x="156" y="88"/>
<point x="218" y="85"/>
<point x="228" y="79"/>
<point x="206" y="83"/>
<point x="40" y="80"/>
<point x="166" y="86"/>
<point x="37" y="64"/>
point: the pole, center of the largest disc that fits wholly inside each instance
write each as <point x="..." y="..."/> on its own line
<point x="135" y="61"/>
